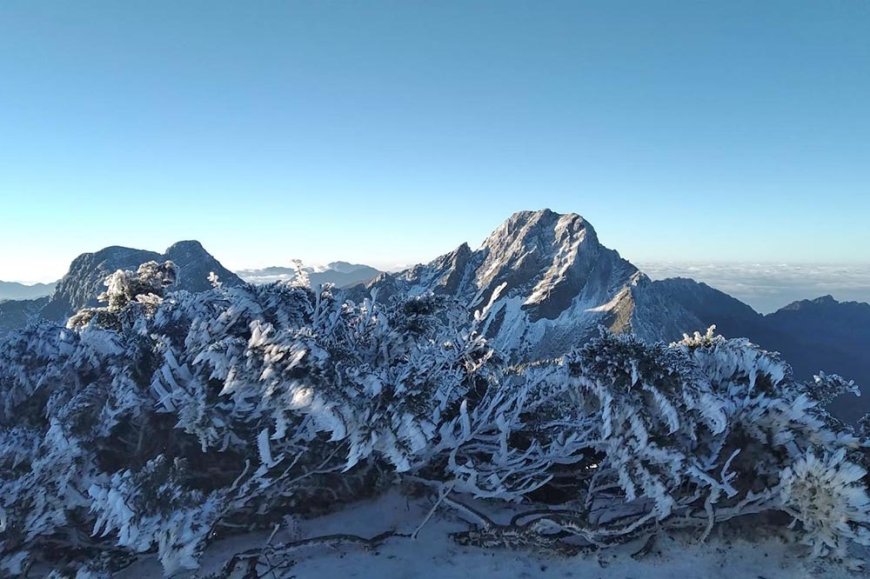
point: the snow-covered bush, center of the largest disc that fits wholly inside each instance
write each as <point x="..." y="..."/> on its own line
<point x="152" y="506"/>
<point x="827" y="497"/>
<point x="166" y="417"/>
<point x="160" y="421"/>
<point x="625" y="434"/>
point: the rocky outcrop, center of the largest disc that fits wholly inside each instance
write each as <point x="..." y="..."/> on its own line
<point x="85" y="279"/>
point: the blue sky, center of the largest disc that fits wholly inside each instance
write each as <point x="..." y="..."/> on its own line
<point x="390" y="132"/>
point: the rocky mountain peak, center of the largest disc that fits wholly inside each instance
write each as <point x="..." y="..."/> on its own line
<point x="188" y="247"/>
<point x="546" y="254"/>
<point x="541" y="231"/>
<point x="542" y="277"/>
<point x="194" y="266"/>
<point x="84" y="280"/>
<point x="819" y="303"/>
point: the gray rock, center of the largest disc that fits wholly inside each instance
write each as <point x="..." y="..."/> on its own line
<point x="84" y="281"/>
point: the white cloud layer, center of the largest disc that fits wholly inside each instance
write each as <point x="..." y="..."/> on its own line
<point x="768" y="287"/>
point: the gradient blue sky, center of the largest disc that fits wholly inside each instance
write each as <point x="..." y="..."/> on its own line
<point x="389" y="132"/>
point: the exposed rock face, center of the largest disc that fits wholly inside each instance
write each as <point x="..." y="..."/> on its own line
<point x="84" y="281"/>
<point x="547" y="284"/>
<point x="666" y="309"/>
<point x="544" y="279"/>
<point x="194" y="266"/>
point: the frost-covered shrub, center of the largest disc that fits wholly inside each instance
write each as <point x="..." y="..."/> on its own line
<point x="165" y="417"/>
<point x="657" y="415"/>
<point x="162" y="420"/>
<point x="826" y="387"/>
<point x="827" y="496"/>
<point x="771" y="418"/>
<point x="699" y="431"/>
<point x="152" y="506"/>
<point x="623" y="413"/>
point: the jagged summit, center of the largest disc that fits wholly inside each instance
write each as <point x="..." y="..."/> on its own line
<point x="543" y="278"/>
<point x="554" y="256"/>
<point x="188" y="251"/>
<point x="194" y="266"/>
<point x="546" y="284"/>
<point x="817" y="303"/>
<point x="522" y="226"/>
<point x="186" y="245"/>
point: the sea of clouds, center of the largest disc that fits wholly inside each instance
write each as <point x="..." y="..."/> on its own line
<point x="768" y="287"/>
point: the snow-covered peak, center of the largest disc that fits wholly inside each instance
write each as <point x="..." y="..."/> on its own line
<point x="543" y="279"/>
<point x="525" y="226"/>
<point x="540" y="250"/>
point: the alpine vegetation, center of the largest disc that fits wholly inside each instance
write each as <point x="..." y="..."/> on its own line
<point x="161" y="421"/>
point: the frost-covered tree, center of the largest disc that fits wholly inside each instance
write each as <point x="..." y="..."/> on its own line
<point x="145" y="287"/>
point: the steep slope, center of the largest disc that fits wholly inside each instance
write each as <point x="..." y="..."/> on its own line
<point x="666" y="309"/>
<point x="194" y="266"/>
<point x="824" y="334"/>
<point x="15" y="314"/>
<point x="84" y="280"/>
<point x="812" y="335"/>
<point x="10" y="290"/>
<point x="547" y="284"/>
<point x="544" y="280"/>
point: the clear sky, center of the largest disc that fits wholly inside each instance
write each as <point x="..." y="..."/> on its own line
<point x="390" y="132"/>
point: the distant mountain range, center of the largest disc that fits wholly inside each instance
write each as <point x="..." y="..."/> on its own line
<point x="340" y="273"/>
<point x="10" y="290"/>
<point x="769" y="286"/>
<point x="546" y="284"/>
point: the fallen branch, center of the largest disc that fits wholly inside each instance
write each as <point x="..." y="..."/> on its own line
<point x="281" y="551"/>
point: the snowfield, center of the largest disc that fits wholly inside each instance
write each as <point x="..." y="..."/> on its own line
<point x="742" y="550"/>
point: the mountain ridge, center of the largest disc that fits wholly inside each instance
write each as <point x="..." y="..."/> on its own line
<point x="543" y="278"/>
<point x="546" y="285"/>
<point x="13" y="290"/>
<point x="84" y="280"/>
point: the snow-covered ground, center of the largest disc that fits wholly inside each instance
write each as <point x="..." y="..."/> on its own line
<point x="735" y="552"/>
